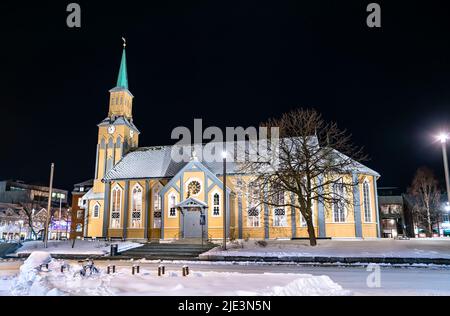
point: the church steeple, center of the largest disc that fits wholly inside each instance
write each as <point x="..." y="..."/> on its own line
<point x="122" y="79"/>
<point x="121" y="99"/>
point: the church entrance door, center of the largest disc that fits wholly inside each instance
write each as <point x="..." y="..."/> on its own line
<point x="192" y="227"/>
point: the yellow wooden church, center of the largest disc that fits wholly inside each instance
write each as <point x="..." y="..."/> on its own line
<point x="141" y="193"/>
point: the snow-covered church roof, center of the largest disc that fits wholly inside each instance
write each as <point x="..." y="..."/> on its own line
<point x="157" y="162"/>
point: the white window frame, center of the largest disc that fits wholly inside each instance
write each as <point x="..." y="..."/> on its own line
<point x="170" y="206"/>
<point x="116" y="188"/>
<point x="96" y="205"/>
<point x="344" y="193"/>
<point x="219" y="206"/>
<point x="136" y="223"/>
<point x="367" y="203"/>
<point x="276" y="218"/>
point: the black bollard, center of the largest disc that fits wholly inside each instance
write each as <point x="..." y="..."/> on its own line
<point x="159" y="271"/>
<point x="114" y="268"/>
<point x="137" y="269"/>
<point x="132" y="270"/>
<point x="62" y="269"/>
<point x="107" y="269"/>
<point x="163" y="270"/>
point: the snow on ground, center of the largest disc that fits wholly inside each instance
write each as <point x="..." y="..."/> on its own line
<point x="82" y="247"/>
<point x="34" y="280"/>
<point x="413" y="248"/>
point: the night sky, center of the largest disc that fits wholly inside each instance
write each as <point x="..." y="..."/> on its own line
<point x="232" y="63"/>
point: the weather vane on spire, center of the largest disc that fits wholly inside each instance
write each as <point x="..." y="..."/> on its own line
<point x="124" y="42"/>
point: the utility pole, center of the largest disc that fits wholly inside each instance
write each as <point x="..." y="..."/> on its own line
<point x="224" y="194"/>
<point x="49" y="205"/>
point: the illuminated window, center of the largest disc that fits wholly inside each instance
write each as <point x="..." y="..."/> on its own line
<point x="193" y="188"/>
<point x="172" y="203"/>
<point x="279" y="217"/>
<point x="366" y="196"/>
<point x="136" y="207"/>
<point x="156" y="208"/>
<point x="96" y="212"/>
<point x="116" y="205"/>
<point x="216" y="204"/>
<point x="338" y="202"/>
<point x="253" y="212"/>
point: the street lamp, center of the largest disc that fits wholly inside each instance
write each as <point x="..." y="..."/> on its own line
<point x="224" y="196"/>
<point x="443" y="137"/>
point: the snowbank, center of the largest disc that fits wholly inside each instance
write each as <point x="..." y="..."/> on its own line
<point x="82" y="247"/>
<point x="32" y="280"/>
<point x="413" y="248"/>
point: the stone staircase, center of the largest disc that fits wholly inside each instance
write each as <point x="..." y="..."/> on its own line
<point x="179" y="250"/>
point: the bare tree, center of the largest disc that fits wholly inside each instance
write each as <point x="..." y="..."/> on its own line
<point x="315" y="163"/>
<point x="31" y="206"/>
<point x="424" y="189"/>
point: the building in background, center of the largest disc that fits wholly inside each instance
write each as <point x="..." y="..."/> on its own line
<point x="78" y="210"/>
<point x="15" y="223"/>
<point x="440" y="217"/>
<point x="22" y="201"/>
<point x="395" y="219"/>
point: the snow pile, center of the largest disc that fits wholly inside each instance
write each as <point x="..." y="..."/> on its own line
<point x="309" y="285"/>
<point x="29" y="281"/>
<point x="82" y="247"/>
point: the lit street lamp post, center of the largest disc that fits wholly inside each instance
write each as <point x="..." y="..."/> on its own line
<point x="443" y="138"/>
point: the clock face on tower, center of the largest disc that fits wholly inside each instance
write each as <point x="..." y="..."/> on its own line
<point x="111" y="129"/>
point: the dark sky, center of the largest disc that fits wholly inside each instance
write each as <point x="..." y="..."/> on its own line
<point x="232" y="63"/>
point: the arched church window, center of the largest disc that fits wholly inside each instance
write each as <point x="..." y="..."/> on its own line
<point x="96" y="212"/>
<point x="156" y="208"/>
<point x="253" y="211"/>
<point x="136" y="207"/>
<point x="367" y="206"/>
<point x="172" y="204"/>
<point x="216" y="204"/>
<point x="116" y="205"/>
<point x="338" y="203"/>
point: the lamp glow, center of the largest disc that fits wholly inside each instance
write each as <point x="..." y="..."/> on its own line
<point x="442" y="137"/>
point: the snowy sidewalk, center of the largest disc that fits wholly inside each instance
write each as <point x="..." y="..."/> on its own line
<point x="413" y="251"/>
<point x="81" y="248"/>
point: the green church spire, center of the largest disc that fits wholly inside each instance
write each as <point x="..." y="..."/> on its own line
<point x="122" y="79"/>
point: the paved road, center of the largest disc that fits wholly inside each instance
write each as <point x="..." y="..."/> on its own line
<point x="394" y="281"/>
